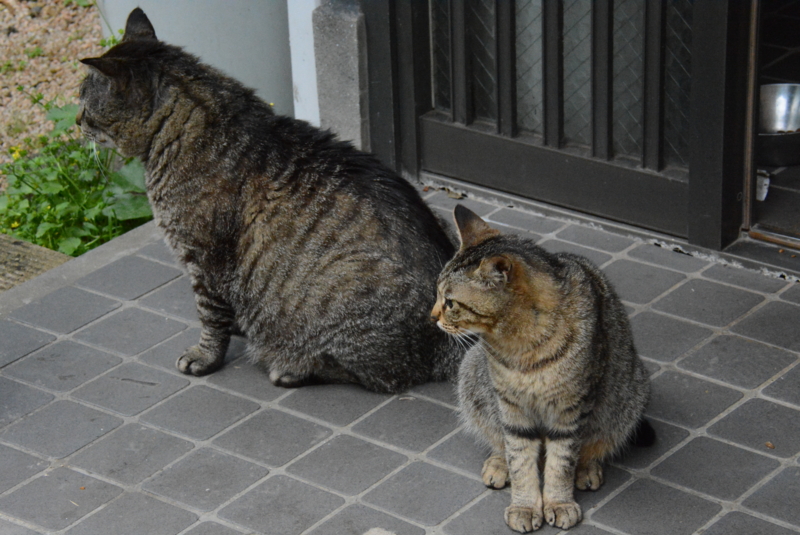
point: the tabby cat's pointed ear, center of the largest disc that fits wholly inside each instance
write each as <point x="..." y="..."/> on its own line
<point x="472" y="230"/>
<point x="138" y="26"/>
<point x="497" y="266"/>
<point x="111" y="67"/>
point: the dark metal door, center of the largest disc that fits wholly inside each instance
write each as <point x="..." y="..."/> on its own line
<point x="601" y="106"/>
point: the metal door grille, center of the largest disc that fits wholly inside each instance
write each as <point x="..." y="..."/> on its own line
<point x="601" y="55"/>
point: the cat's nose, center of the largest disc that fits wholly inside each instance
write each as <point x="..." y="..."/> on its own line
<point x="434" y="318"/>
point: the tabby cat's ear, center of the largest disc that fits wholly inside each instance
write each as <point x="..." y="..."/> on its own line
<point x="111" y="67"/>
<point x="497" y="266"/>
<point x="472" y="230"/>
<point x="138" y="26"/>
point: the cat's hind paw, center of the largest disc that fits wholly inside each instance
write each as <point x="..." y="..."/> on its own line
<point x="562" y="515"/>
<point x="523" y="519"/>
<point x="495" y="472"/>
<point x="590" y="476"/>
<point x="195" y="362"/>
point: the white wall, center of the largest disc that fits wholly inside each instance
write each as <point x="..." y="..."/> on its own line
<point x="304" y="70"/>
<point x="246" y="39"/>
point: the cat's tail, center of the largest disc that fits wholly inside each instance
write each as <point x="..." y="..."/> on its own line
<point x="644" y="435"/>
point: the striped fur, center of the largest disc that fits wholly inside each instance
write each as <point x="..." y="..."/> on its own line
<point x="554" y="369"/>
<point x="324" y="258"/>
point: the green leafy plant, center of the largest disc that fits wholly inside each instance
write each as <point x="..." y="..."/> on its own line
<point x="69" y="195"/>
<point x="34" y="52"/>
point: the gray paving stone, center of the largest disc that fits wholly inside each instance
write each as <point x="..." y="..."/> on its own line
<point x="212" y="528"/>
<point x="166" y="354"/>
<point x="708" y="302"/>
<point x="136" y="513"/>
<point x="613" y="478"/>
<point x="558" y="246"/>
<point x="486" y="518"/>
<point x="129" y="277"/>
<point x="199" y="412"/>
<point x="65" y="310"/>
<point x="737" y="523"/>
<point x="272" y="437"/>
<point x="650" y="508"/>
<point x="18" y="400"/>
<point x="441" y="200"/>
<point x="281" y="506"/>
<point x="131" y="454"/>
<point x="639" y="283"/>
<point x="669" y="259"/>
<point x="174" y="299"/>
<point x="792" y="294"/>
<point x="58" y="499"/>
<point x="129" y="331"/>
<point x="62" y="366"/>
<point x="16" y="467"/>
<point x="424" y="493"/>
<point x="775" y="323"/>
<point x="599" y="239"/>
<point x="526" y="221"/>
<point x="463" y="451"/>
<point x="667" y="437"/>
<point x="737" y="361"/>
<point x="244" y="377"/>
<point x="586" y="529"/>
<point x="337" y="404"/>
<point x="159" y="251"/>
<point x="779" y="497"/>
<point x="744" y="278"/>
<point x="359" y="519"/>
<point x="442" y="391"/>
<point x="347" y="465"/>
<point x="663" y="338"/>
<point x="786" y="387"/>
<point x="19" y="340"/>
<point x="759" y="421"/>
<point x="409" y="423"/>
<point x="129" y="389"/>
<point x="7" y="528"/>
<point x="205" y="479"/>
<point x="715" y="468"/>
<point x="688" y="401"/>
<point x="60" y="429"/>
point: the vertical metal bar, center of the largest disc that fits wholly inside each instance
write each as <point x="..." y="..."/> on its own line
<point x="653" y="157"/>
<point x="462" y="71"/>
<point x="750" y="118"/>
<point x="553" y="59"/>
<point x="506" y="68"/>
<point x="602" y="76"/>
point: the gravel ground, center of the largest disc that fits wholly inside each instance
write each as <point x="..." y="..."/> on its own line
<point x="40" y="44"/>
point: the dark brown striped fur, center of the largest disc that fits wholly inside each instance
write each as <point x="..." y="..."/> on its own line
<point x="324" y="258"/>
<point x="554" y="368"/>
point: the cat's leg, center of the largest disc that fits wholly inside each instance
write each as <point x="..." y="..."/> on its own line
<point x="560" y="508"/>
<point x="216" y="319"/>
<point x="589" y="474"/>
<point x="525" y="512"/>
<point x="478" y="404"/>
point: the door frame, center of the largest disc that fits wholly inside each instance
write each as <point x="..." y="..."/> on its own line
<point x="710" y="205"/>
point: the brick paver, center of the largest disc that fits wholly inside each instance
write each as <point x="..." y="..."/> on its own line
<point x="100" y="434"/>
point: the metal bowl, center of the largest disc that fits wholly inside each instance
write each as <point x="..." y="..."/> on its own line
<point x="779" y="125"/>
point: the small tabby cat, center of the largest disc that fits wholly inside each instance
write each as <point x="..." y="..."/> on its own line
<point x="554" y="368"/>
<point x="324" y="258"/>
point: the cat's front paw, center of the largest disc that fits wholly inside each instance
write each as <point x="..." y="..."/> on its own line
<point x="523" y="519"/>
<point x="495" y="472"/>
<point x="195" y="362"/>
<point x="562" y="515"/>
<point x="590" y="476"/>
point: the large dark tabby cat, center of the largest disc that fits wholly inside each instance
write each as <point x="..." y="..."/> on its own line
<point x="323" y="257"/>
<point x="555" y="368"/>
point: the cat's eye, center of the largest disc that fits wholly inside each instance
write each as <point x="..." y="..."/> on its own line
<point x="448" y="303"/>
